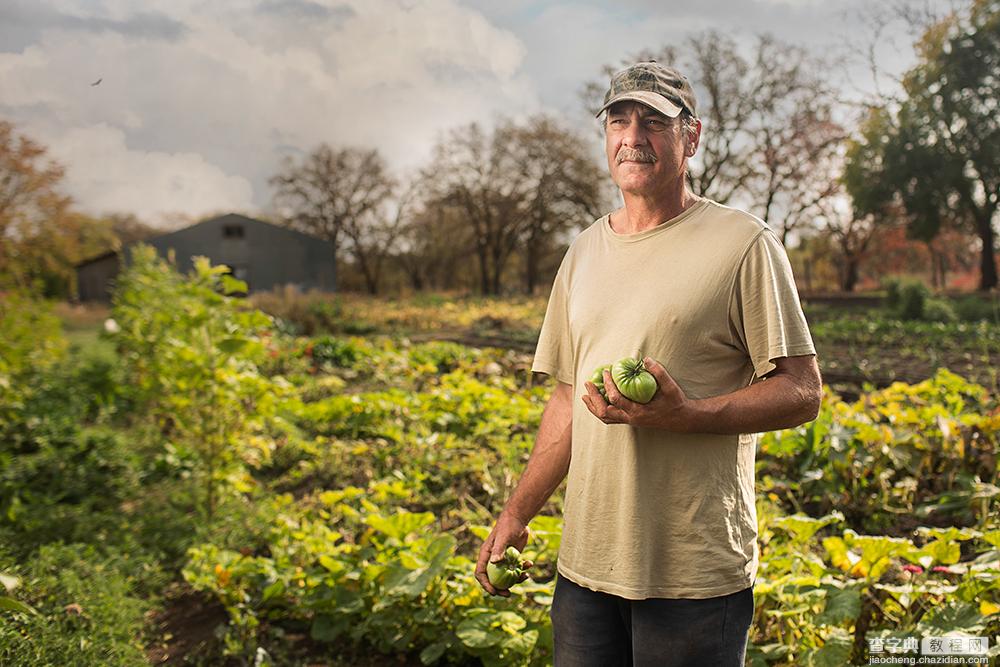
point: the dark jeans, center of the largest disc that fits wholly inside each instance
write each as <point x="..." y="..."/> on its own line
<point x="591" y="628"/>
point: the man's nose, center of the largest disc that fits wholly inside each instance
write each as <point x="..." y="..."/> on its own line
<point x="635" y="134"/>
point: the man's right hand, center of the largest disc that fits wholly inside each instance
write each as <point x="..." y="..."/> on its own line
<point x="508" y="531"/>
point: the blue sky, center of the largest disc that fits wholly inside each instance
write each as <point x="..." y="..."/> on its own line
<point x="199" y="101"/>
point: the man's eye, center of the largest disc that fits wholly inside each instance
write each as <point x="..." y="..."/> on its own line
<point x="655" y="123"/>
<point x="617" y="121"/>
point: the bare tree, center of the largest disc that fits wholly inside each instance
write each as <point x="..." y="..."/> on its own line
<point x="565" y="189"/>
<point x="339" y="192"/>
<point x="516" y="187"/>
<point x="478" y="174"/>
<point x="435" y="241"/>
<point x="798" y="147"/>
<point x="852" y="233"/>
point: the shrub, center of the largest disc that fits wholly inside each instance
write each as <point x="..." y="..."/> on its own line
<point x="336" y="351"/>
<point x="192" y="355"/>
<point x="939" y="310"/>
<point x="906" y="298"/>
<point x="442" y="356"/>
<point x="974" y="308"/>
<point x="64" y="482"/>
<point x="31" y="336"/>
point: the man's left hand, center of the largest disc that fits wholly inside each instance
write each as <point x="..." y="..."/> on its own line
<point x="669" y="408"/>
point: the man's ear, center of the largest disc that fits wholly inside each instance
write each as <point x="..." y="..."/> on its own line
<point x="693" y="139"/>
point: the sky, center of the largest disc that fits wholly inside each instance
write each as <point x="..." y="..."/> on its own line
<point x="199" y="101"/>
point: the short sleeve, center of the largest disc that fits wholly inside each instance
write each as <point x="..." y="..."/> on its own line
<point x="765" y="312"/>
<point x="554" y="352"/>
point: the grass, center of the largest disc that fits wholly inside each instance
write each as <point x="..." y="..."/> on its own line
<point x="82" y="323"/>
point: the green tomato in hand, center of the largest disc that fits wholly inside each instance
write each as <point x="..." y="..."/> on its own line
<point x="598" y="379"/>
<point x="633" y="380"/>
<point x="507" y="571"/>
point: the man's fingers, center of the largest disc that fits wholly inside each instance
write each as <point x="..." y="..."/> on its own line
<point x="614" y="415"/>
<point x="608" y="414"/>
<point x="615" y="398"/>
<point x="484" y="553"/>
<point x="484" y="581"/>
<point x="484" y="556"/>
<point x="595" y="406"/>
<point x="610" y="388"/>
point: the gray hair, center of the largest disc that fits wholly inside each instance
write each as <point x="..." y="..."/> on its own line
<point x="689" y="123"/>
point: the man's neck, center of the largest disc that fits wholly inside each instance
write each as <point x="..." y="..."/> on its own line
<point x="646" y="212"/>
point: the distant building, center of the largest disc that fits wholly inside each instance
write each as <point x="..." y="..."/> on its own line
<point x="263" y="255"/>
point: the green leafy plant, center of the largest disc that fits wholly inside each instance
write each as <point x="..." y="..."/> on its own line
<point x="194" y="365"/>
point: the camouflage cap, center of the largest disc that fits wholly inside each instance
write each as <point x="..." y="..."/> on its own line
<point x="662" y="88"/>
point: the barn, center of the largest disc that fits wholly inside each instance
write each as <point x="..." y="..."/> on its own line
<point x="263" y="255"/>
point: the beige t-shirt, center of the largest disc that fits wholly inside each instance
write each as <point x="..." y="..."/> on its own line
<point x="710" y="295"/>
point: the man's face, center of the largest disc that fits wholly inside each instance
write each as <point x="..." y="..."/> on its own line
<point x="646" y="150"/>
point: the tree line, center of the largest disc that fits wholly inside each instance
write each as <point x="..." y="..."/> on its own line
<point x="485" y="195"/>
<point x="778" y="140"/>
<point x="836" y="182"/>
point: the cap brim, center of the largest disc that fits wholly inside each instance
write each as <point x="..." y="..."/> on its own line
<point x="654" y="100"/>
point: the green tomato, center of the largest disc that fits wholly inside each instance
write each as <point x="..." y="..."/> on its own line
<point x="633" y="380"/>
<point x="598" y="379"/>
<point x="507" y="571"/>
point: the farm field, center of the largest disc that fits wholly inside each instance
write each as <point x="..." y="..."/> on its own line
<point x="208" y="484"/>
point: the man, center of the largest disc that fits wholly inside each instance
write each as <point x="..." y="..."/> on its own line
<point x="659" y="548"/>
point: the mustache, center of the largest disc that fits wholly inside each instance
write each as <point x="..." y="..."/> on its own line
<point x="634" y="155"/>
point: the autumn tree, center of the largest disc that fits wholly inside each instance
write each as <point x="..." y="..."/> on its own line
<point x="941" y="154"/>
<point x="340" y="194"/>
<point x="854" y="226"/>
<point x="31" y="203"/>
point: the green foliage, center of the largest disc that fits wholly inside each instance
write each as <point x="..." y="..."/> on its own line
<point x="864" y="174"/>
<point x="336" y="352"/>
<point x="828" y="595"/>
<point x="359" y="475"/>
<point x="86" y="610"/>
<point x="939" y="152"/>
<point x="924" y="450"/>
<point x="65" y="483"/>
<point x="193" y="366"/>
<point x="974" y="308"/>
<point x="30" y="337"/>
<point x="939" y="310"/>
<point x="61" y="474"/>
<point x="906" y="299"/>
<point x="353" y="566"/>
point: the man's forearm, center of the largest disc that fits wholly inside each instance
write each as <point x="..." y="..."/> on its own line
<point x="780" y="401"/>
<point x="549" y="461"/>
<point x="788" y="397"/>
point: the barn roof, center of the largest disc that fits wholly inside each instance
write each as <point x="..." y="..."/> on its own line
<point x="227" y="218"/>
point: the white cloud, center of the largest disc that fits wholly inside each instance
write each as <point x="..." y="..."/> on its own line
<point x="147" y="183"/>
<point x="228" y="89"/>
